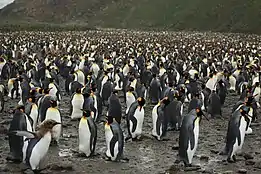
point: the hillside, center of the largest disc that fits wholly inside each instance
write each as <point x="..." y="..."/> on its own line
<point x="219" y="15"/>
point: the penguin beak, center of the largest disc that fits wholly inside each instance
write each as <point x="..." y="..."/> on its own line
<point x="58" y="123"/>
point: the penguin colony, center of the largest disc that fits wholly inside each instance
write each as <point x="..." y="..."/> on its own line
<point x="97" y="71"/>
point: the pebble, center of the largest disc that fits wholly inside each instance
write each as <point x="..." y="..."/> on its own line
<point x="250" y="162"/>
<point x="214" y="151"/>
<point x="242" y="171"/>
<point x="258" y="165"/>
<point x="204" y="158"/>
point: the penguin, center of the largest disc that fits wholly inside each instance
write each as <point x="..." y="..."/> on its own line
<point x="135" y="118"/>
<point x="25" y="90"/>
<point x="2" y="101"/>
<point x="43" y="104"/>
<point x="130" y="98"/>
<point x="106" y="91"/>
<point x="159" y="119"/>
<point x="118" y="80"/>
<point x="232" y="82"/>
<point x="155" y="90"/>
<point x="76" y="103"/>
<point x="214" y="105"/>
<point x="54" y="90"/>
<point x="236" y="131"/>
<point x="115" y="109"/>
<point x="53" y="113"/>
<point x="222" y="92"/>
<point x="73" y="86"/>
<point x="80" y="77"/>
<point x="13" y="88"/>
<point x="189" y="135"/>
<point x="87" y="134"/>
<point x="38" y="144"/>
<point x="114" y="140"/>
<point x="194" y="103"/>
<point x="31" y="109"/>
<point x="20" y="122"/>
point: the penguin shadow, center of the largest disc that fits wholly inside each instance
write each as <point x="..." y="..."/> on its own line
<point x="77" y="154"/>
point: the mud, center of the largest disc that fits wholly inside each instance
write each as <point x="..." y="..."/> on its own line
<point x="145" y="156"/>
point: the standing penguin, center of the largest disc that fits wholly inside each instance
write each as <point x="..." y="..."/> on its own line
<point x="115" y="107"/>
<point x="77" y="101"/>
<point x="54" y="90"/>
<point x="214" y="105"/>
<point x="188" y="136"/>
<point x="135" y="118"/>
<point x="31" y="109"/>
<point x="2" y="101"/>
<point x="38" y="145"/>
<point x="159" y="119"/>
<point x="237" y="127"/>
<point x="130" y="98"/>
<point x="17" y="145"/>
<point x="53" y="113"/>
<point x="114" y="140"/>
<point x="155" y="90"/>
<point x="222" y="92"/>
<point x="87" y="134"/>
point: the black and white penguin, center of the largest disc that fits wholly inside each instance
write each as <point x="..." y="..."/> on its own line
<point x="38" y="144"/>
<point x="87" y="134"/>
<point x="54" y="90"/>
<point x="53" y="113"/>
<point x="80" y="77"/>
<point x="114" y="140"/>
<point x="43" y="104"/>
<point x="236" y="132"/>
<point x="222" y="91"/>
<point x="25" y="87"/>
<point x="115" y="109"/>
<point x="155" y="90"/>
<point x="76" y="104"/>
<point x="135" y="118"/>
<point x="214" y="105"/>
<point x="189" y="135"/>
<point x="130" y="98"/>
<point x="194" y="103"/>
<point x="13" y="88"/>
<point x="2" y="101"/>
<point x="159" y="119"/>
<point x="31" y="109"/>
<point x="20" y="122"/>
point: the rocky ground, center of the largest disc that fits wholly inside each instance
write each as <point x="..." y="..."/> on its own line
<point x="146" y="156"/>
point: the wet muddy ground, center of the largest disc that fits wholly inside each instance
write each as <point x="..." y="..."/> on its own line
<point x="146" y="156"/>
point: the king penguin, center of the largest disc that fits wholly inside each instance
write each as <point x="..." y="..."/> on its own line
<point x="159" y="119"/>
<point x="130" y="98"/>
<point x="114" y="140"/>
<point x="237" y="127"/>
<point x="188" y="136"/>
<point x="17" y="145"/>
<point x="53" y="113"/>
<point x="135" y="118"/>
<point x="31" y="109"/>
<point x="77" y="101"/>
<point x="38" y="144"/>
<point x="87" y="134"/>
<point x="2" y="101"/>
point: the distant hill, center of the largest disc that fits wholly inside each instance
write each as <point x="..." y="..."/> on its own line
<point x="203" y="15"/>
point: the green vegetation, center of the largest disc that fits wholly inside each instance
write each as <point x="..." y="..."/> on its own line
<point x="204" y="15"/>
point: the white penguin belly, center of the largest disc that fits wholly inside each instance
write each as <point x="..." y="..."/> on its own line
<point x="249" y="130"/>
<point x="130" y="98"/>
<point x="28" y="128"/>
<point x="39" y="151"/>
<point x="53" y="90"/>
<point x="108" y="137"/>
<point x="104" y="80"/>
<point x="10" y="87"/>
<point x="232" y="82"/>
<point x="154" y="121"/>
<point x="84" y="137"/>
<point x="54" y="114"/>
<point x="191" y="152"/>
<point x="242" y="129"/>
<point x="139" y="115"/>
<point x="34" y="115"/>
<point x="81" y="77"/>
<point x="96" y="107"/>
<point x="77" y="105"/>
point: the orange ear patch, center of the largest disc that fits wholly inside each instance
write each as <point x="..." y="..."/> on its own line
<point x="139" y="99"/>
<point x="197" y="110"/>
<point x="241" y="110"/>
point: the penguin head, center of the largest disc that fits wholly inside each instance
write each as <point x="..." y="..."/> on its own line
<point x="257" y="84"/>
<point x="78" y="91"/>
<point x="131" y="89"/>
<point x="199" y="112"/>
<point x="165" y="101"/>
<point x="244" y="110"/>
<point x="86" y="113"/>
<point x="32" y="99"/>
<point x="109" y="120"/>
<point x="141" y="101"/>
<point x="51" y="80"/>
<point x="20" y="108"/>
<point x="47" y="90"/>
<point x="53" y="102"/>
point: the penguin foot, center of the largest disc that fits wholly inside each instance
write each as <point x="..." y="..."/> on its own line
<point x="127" y="138"/>
<point x="124" y="160"/>
<point x="12" y="159"/>
<point x="54" y="143"/>
<point x="36" y="171"/>
<point x="234" y="158"/>
<point x="229" y="160"/>
<point x="81" y="155"/>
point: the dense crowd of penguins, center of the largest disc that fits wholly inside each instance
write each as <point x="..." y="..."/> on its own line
<point x="95" y="68"/>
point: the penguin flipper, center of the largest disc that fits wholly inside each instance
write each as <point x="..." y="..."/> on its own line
<point x="191" y="137"/>
<point x="134" y="123"/>
<point x="27" y="134"/>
